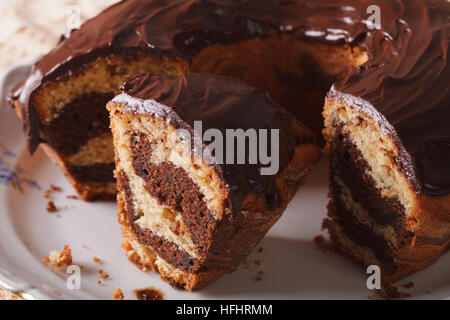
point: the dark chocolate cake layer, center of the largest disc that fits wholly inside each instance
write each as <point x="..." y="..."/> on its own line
<point x="102" y="172"/>
<point x="86" y="117"/>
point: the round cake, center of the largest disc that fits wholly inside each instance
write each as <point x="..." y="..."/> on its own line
<point x="387" y="114"/>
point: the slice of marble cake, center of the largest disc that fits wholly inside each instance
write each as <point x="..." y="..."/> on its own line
<point x="187" y="217"/>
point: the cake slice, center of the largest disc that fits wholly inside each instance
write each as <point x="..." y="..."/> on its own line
<point x="388" y="134"/>
<point x="183" y="215"/>
<point x="386" y="209"/>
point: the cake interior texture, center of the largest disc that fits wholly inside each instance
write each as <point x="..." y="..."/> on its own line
<point x="188" y="220"/>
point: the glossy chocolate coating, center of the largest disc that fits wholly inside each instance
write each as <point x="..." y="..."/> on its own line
<point x="405" y="81"/>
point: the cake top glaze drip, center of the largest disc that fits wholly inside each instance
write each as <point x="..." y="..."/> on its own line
<point x="219" y="103"/>
<point x="405" y="80"/>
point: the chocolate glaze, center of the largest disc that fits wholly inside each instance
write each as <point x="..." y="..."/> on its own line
<point x="405" y="81"/>
<point x="220" y="103"/>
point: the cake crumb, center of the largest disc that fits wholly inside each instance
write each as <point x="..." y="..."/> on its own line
<point x="118" y="294"/>
<point x="408" y="285"/>
<point x="259" y="275"/>
<point x="84" y="246"/>
<point x="99" y="282"/>
<point x="52" y="189"/>
<point x="102" y="274"/>
<point x="149" y="294"/>
<point x="325" y="246"/>
<point x="72" y="197"/>
<point x="51" y="207"/>
<point x="97" y="260"/>
<point x="390" y="291"/>
<point x="59" y="259"/>
<point x="8" y="295"/>
<point x="55" y="188"/>
<point x="254" y="266"/>
<point x="259" y="262"/>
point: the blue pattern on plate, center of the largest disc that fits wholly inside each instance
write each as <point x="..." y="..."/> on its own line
<point x="13" y="177"/>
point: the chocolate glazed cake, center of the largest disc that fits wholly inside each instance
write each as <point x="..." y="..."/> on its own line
<point x="283" y="47"/>
<point x="388" y="134"/>
<point x="190" y="220"/>
<point x="386" y="116"/>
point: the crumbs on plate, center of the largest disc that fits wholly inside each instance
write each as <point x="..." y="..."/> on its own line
<point x="259" y="275"/>
<point x="59" y="260"/>
<point x="118" y="294"/>
<point x="408" y="285"/>
<point x="102" y="274"/>
<point x="51" y="190"/>
<point x="97" y="260"/>
<point x="51" y="207"/>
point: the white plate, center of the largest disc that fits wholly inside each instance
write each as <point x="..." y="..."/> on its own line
<point x="293" y="266"/>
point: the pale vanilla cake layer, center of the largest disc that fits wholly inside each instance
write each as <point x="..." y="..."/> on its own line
<point x="102" y="76"/>
<point x="97" y="150"/>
